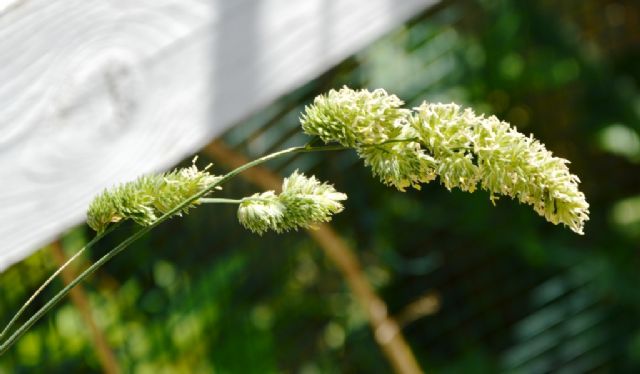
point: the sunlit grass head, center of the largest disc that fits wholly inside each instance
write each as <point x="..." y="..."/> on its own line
<point x="405" y="148"/>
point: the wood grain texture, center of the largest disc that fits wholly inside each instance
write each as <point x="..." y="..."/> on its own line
<point x="97" y="92"/>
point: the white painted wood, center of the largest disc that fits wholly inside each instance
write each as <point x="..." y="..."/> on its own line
<point x="96" y="92"/>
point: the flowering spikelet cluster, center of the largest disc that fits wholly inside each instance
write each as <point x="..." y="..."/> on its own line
<point x="145" y="199"/>
<point x="302" y="202"/>
<point x="353" y="117"/>
<point x="370" y="122"/>
<point x="407" y="147"/>
<point x="473" y="149"/>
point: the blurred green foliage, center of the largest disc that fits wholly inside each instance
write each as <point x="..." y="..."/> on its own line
<point x="509" y="292"/>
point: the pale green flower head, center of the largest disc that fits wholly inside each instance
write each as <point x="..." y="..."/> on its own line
<point x="406" y="148"/>
<point x="145" y="199"/>
<point x="303" y="202"/>
<point x="366" y="121"/>
<point x="355" y="117"/>
<point x="261" y="212"/>
<point x="399" y="164"/>
<point x="472" y="149"/>
<point x="443" y="131"/>
<point x="179" y="184"/>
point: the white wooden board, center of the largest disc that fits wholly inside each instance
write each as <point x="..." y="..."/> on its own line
<point x="96" y="92"/>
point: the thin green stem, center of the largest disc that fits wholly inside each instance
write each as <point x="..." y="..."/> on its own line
<point x="313" y="141"/>
<point x="211" y="200"/>
<point x="52" y="277"/>
<point x="109" y="255"/>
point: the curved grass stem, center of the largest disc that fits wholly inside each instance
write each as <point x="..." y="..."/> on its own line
<point x="52" y="277"/>
<point x="91" y="269"/>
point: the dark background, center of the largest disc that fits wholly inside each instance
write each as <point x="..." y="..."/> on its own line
<point x="504" y="289"/>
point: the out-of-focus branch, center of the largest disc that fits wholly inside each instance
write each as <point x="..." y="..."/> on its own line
<point x="386" y="330"/>
<point x="81" y="302"/>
